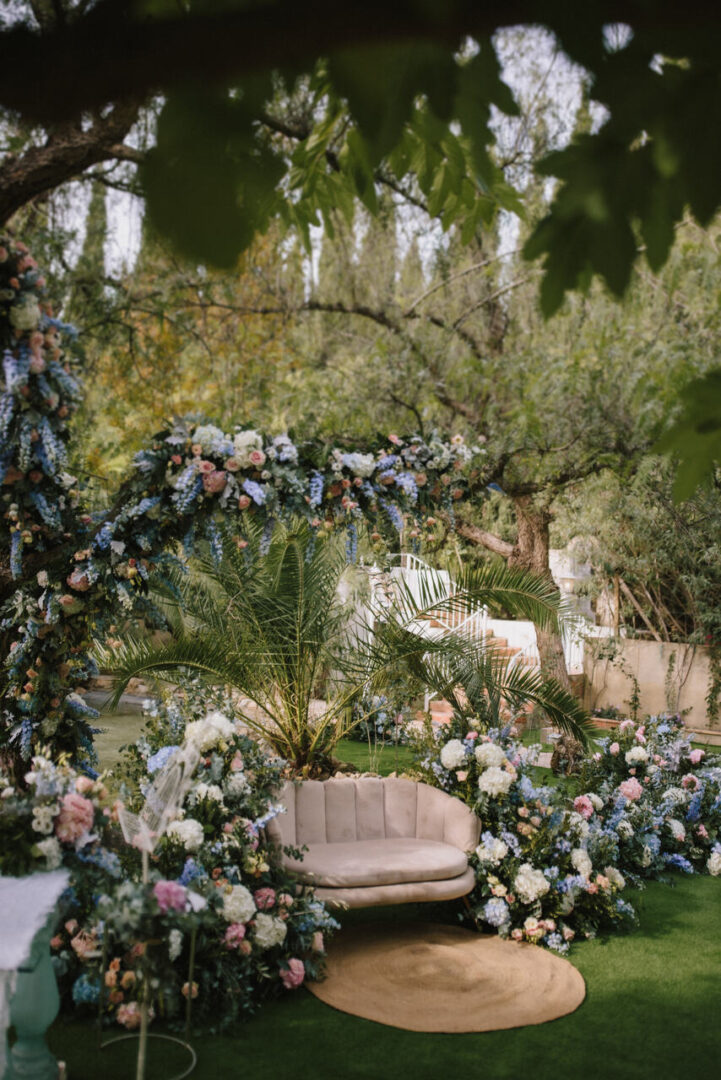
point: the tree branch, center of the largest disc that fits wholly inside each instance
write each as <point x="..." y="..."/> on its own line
<point x="484" y="539"/>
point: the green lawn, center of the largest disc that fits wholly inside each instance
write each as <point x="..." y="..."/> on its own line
<point x="651" y="1013"/>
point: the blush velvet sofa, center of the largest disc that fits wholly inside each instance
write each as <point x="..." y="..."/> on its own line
<point x="373" y="841"/>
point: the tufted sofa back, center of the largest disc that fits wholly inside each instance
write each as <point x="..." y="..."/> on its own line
<point x="371" y="808"/>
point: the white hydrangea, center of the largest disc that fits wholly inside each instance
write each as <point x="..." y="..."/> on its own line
<point x="50" y="848"/>
<point x="713" y="863"/>
<point x="209" y="438"/>
<point x="236" y="785"/>
<point x="495" y="781"/>
<point x="674" y="795"/>
<point x="25" y="316"/>
<point x="206" y="733"/>
<point x="208" y="791"/>
<point x="637" y="755"/>
<point x="615" y="877"/>
<point x="676" y="829"/>
<point x="529" y="884"/>
<point x="453" y="754"/>
<point x="578" y="823"/>
<point x="646" y="856"/>
<point x="596" y="800"/>
<point x="244" y="443"/>
<point x="489" y="754"/>
<point x="188" y="832"/>
<point x="238" y="905"/>
<point x="360" y="464"/>
<point x="581" y="862"/>
<point x="492" y="851"/>
<point x="268" y="931"/>
<point x="625" y="829"/>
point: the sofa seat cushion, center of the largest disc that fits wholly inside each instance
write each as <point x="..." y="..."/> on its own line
<point x="378" y="862"/>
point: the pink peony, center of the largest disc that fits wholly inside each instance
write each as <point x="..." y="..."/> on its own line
<point x="631" y="789"/>
<point x="75" y="818"/>
<point x="215" y="481"/>
<point x="614" y="748"/>
<point x="583" y="806"/>
<point x="170" y="896"/>
<point x="264" y="898"/>
<point x="690" y="781"/>
<point x="293" y="976"/>
<point x="695" y="756"/>
<point x="234" y="935"/>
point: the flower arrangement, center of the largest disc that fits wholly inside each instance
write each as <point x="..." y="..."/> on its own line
<point x="255" y="935"/>
<point x="539" y="878"/>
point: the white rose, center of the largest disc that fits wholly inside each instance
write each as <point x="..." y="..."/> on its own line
<point x="238" y="905"/>
<point x="495" y="781"/>
<point x="581" y="862"/>
<point x="188" y="832"/>
<point x="268" y="930"/>
<point x="492" y="851"/>
<point x="529" y="884"/>
<point x="488" y="754"/>
<point x="453" y="754"/>
<point x="637" y="755"/>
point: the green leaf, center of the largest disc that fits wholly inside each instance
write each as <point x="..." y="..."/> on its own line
<point x="695" y="438"/>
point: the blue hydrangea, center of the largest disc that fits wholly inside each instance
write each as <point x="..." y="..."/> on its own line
<point x="495" y="912"/>
<point x="679" y="862"/>
<point x="256" y="491"/>
<point x="191" y="871"/>
<point x="161" y="758"/>
<point x="86" y="991"/>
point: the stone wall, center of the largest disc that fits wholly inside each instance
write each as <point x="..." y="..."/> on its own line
<point x="681" y="687"/>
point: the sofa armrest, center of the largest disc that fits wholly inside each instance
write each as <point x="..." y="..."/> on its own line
<point x="461" y="827"/>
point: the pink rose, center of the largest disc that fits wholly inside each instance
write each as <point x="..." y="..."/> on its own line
<point x="695" y="756"/>
<point x="176" y="459"/>
<point x="170" y="896"/>
<point x="232" y="464"/>
<point x="614" y="748"/>
<point x="206" y="467"/>
<point x="568" y="933"/>
<point x="690" y="781"/>
<point x="215" y="481"/>
<point x="631" y="789"/>
<point x="78" y="580"/>
<point x="264" y="898"/>
<point x="394" y="439"/>
<point x="234" y="935"/>
<point x="243" y="502"/>
<point x="293" y="976"/>
<point x="83" y="784"/>
<point x="285" y="900"/>
<point x="702" y="832"/>
<point x="236" y="764"/>
<point x="129" y="1015"/>
<point x="602" y="881"/>
<point x="625" y="725"/>
<point x="461" y="775"/>
<point x="517" y="934"/>
<point x="75" y="818"/>
<point x="257" y="458"/>
<point x="583" y="806"/>
<point x="592" y="888"/>
<point x="472" y="735"/>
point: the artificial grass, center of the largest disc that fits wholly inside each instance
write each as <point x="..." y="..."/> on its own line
<point x="651" y="1013"/>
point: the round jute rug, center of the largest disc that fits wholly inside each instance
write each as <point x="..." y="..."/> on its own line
<point x="426" y="977"/>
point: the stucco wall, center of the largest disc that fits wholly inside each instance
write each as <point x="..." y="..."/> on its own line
<point x="607" y="684"/>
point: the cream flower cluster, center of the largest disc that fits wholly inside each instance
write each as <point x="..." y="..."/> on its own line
<point x="580" y="861"/>
<point x="495" y="781"/>
<point x="489" y="754"/>
<point x="637" y="755"/>
<point x="492" y="851"/>
<point x="207" y="733"/>
<point x="453" y="754"/>
<point x="268" y="931"/>
<point x="187" y="832"/>
<point x="713" y="863"/>
<point x="238" y="905"/>
<point x="529" y="884"/>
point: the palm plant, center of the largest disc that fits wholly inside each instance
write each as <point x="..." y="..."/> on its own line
<point x="273" y="628"/>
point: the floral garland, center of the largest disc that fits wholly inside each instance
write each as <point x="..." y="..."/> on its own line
<point x="91" y="569"/>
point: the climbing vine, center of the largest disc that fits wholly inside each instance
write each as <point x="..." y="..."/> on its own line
<point x="72" y="574"/>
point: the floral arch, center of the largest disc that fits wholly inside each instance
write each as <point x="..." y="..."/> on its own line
<point x="71" y="572"/>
